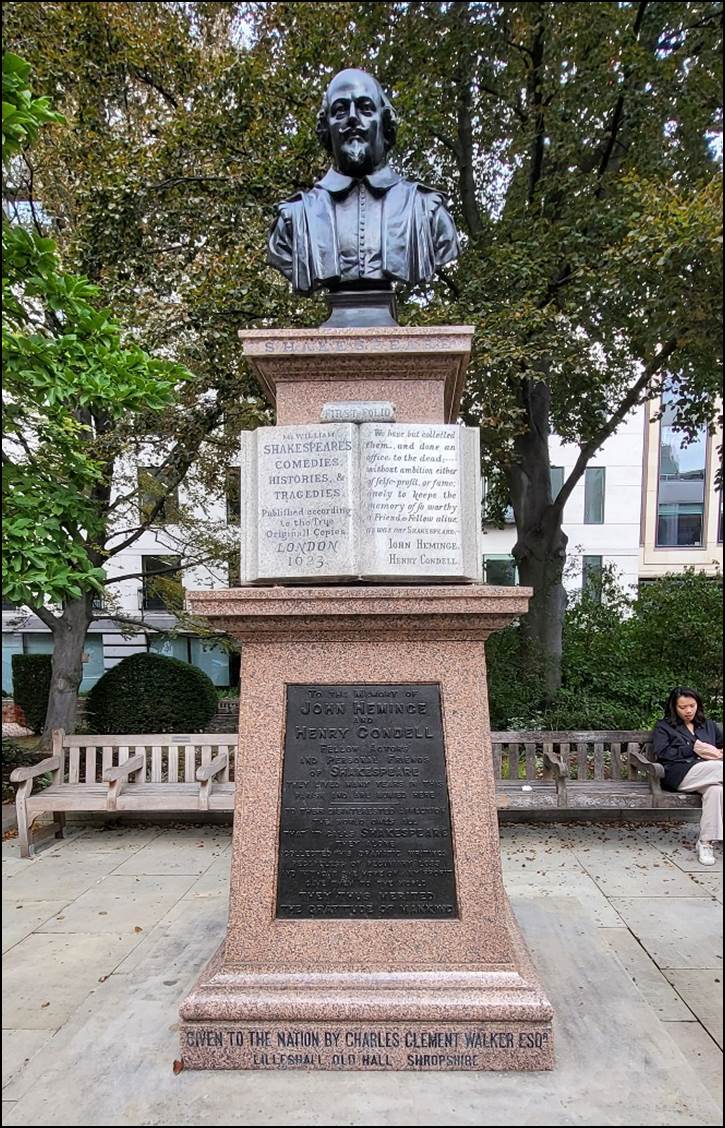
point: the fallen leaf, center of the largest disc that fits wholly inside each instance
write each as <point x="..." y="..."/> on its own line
<point x="138" y="928"/>
<point x="178" y="1066"/>
<point x="43" y="1005"/>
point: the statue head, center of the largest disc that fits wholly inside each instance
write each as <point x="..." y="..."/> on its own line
<point x="356" y="123"/>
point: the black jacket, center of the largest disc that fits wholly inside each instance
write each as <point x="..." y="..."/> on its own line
<point x="673" y="747"/>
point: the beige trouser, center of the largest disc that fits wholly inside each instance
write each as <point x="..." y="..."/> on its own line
<point x="707" y="779"/>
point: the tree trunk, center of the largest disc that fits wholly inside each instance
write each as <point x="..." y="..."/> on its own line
<point x="540" y="550"/>
<point x="69" y="636"/>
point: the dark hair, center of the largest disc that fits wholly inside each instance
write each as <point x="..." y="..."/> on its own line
<point x="389" y="117"/>
<point x="671" y="705"/>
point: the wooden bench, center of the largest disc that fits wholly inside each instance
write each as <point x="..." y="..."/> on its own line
<point x="581" y="771"/>
<point x="147" y="772"/>
<point x="168" y="772"/>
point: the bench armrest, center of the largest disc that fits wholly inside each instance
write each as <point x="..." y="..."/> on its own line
<point x="648" y="767"/>
<point x="559" y="768"/>
<point x="128" y="767"/>
<point x="30" y="771"/>
<point x="208" y="771"/>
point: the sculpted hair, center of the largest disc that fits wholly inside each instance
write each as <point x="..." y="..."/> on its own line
<point x="389" y="117"/>
<point x="671" y="705"/>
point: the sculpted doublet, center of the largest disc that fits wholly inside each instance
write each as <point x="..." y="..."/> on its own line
<point x="378" y="228"/>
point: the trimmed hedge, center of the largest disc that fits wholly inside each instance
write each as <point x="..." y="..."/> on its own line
<point x="151" y="693"/>
<point x="31" y="686"/>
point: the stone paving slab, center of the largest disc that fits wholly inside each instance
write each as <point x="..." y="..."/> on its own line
<point x="19" y="1047"/>
<point x="678" y="843"/>
<point x="121" y="904"/>
<point x="702" y="991"/>
<point x="657" y="990"/>
<point x="21" y="918"/>
<point x="710" y="881"/>
<point x="176" y="853"/>
<point x="66" y="876"/>
<point x="677" y="932"/>
<point x="615" y="1062"/>
<point x="126" y="840"/>
<point x="51" y="975"/>
<point x="701" y="1053"/>
<point x="576" y="885"/>
<point x="626" y="865"/>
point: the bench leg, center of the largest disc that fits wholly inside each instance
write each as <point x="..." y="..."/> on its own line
<point x="24" y="832"/>
<point x="59" y="820"/>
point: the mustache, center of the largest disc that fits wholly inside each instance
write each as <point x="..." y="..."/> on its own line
<point x="353" y="134"/>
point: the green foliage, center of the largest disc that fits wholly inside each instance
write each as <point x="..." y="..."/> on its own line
<point x="31" y="686"/>
<point x="67" y="376"/>
<point x="578" y="143"/>
<point x="23" y="115"/>
<point x="15" y="756"/>
<point x="151" y="693"/>
<point x="621" y="658"/>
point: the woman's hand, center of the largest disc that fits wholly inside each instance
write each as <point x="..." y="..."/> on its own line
<point x="707" y="751"/>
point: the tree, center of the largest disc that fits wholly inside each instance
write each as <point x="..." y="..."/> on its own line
<point x="67" y="379"/>
<point x="578" y="142"/>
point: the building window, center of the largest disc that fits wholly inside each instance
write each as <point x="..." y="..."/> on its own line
<point x="681" y="484"/>
<point x="556" y="477"/>
<point x="592" y="577"/>
<point x="499" y="570"/>
<point x="158" y="571"/>
<point x="233" y="496"/>
<point x="594" y="481"/>
<point x="207" y="656"/>
<point x="151" y="488"/>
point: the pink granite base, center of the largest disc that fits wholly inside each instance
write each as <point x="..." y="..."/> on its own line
<point x="421" y="369"/>
<point x="356" y="993"/>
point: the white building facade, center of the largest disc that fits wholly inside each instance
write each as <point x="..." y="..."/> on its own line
<point x="647" y="504"/>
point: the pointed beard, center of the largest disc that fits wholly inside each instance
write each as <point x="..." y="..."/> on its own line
<point x="356" y="153"/>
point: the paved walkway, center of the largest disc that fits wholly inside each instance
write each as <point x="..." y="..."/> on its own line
<point x="104" y="933"/>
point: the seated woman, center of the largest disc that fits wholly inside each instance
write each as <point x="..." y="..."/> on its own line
<point x="689" y="747"/>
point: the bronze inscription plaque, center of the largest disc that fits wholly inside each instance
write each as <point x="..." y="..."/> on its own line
<point x="365" y="825"/>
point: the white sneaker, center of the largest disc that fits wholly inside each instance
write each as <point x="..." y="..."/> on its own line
<point x="705" y="855"/>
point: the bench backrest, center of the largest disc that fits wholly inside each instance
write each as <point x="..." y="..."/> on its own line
<point x="588" y="755"/>
<point x="174" y="758"/>
<point x="169" y="757"/>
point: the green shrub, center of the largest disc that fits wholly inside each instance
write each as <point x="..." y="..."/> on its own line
<point x="622" y="656"/>
<point x="31" y="686"/>
<point x="16" y="756"/>
<point x="151" y="693"/>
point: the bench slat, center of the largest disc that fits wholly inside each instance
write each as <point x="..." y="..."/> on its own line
<point x="189" y="763"/>
<point x="90" y="758"/>
<point x="156" y="763"/>
<point x="616" y="758"/>
<point x="598" y="760"/>
<point x="173" y="764"/>
<point x="74" y="765"/>
<point x="581" y="759"/>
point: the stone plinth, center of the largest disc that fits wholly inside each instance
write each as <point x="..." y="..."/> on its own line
<point x="360" y="992"/>
<point x="421" y="370"/>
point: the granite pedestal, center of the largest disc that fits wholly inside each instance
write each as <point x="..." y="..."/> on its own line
<point x="451" y="990"/>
